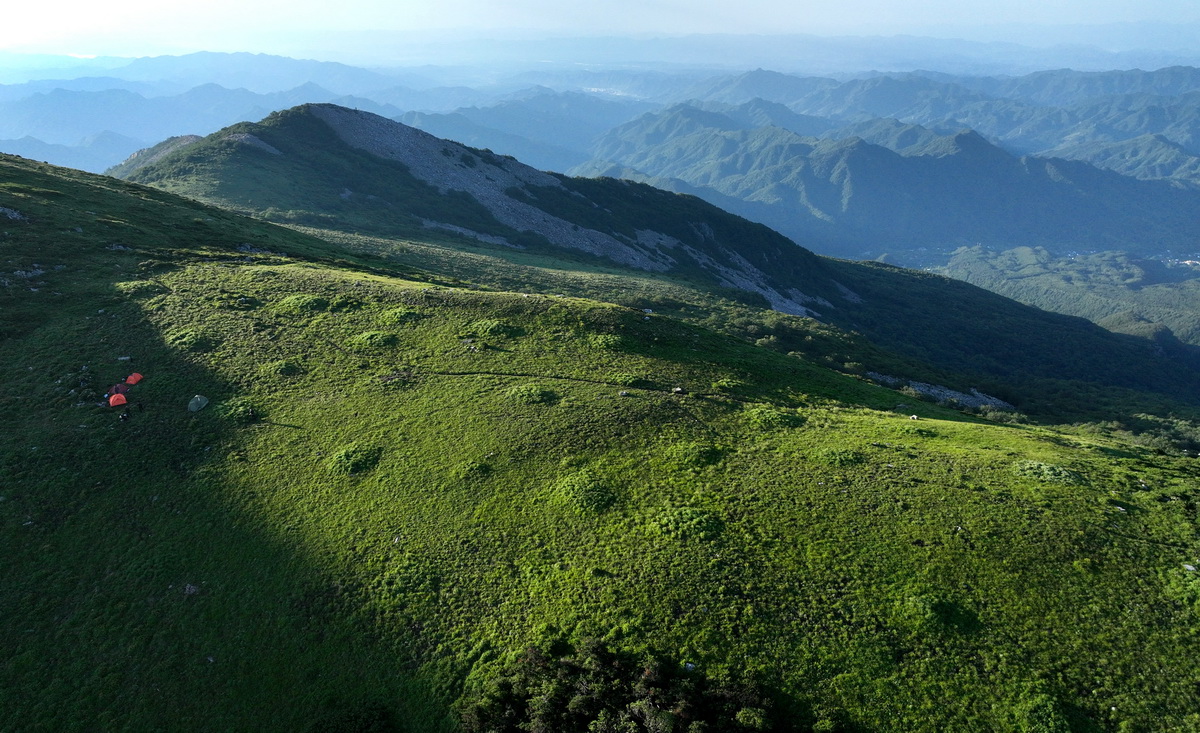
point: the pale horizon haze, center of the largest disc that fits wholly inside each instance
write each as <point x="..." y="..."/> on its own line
<point x="335" y="31"/>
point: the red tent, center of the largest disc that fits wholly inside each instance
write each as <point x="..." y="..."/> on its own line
<point x="118" y="389"/>
<point x="117" y="400"/>
<point x="133" y="378"/>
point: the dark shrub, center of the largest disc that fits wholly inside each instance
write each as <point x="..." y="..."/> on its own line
<point x="355" y="459"/>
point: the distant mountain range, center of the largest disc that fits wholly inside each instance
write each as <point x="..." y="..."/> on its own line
<point x="864" y="200"/>
<point x="1034" y="114"/>
<point x="92" y="153"/>
<point x="908" y="166"/>
<point x="1139" y="124"/>
<point x="546" y="129"/>
<point x="551" y="117"/>
<point x="1069" y="114"/>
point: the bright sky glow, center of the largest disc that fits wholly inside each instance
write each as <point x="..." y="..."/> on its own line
<point x="145" y="27"/>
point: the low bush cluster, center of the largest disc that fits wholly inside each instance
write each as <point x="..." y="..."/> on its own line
<point x="604" y="341"/>
<point x="374" y="340"/>
<point x="692" y="454"/>
<point x="189" y="340"/>
<point x="301" y="303"/>
<point x="841" y="457"/>
<point x="396" y="316"/>
<point x="765" y="418"/>
<point x="625" y="379"/>
<point x="355" y="459"/>
<point x="282" y="368"/>
<point x="686" y="523"/>
<point x="532" y="394"/>
<point x="585" y="492"/>
<point x="1047" y="472"/>
<point x="727" y="385"/>
<point x="597" y="689"/>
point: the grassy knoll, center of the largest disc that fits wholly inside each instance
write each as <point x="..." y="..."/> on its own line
<point x="398" y="487"/>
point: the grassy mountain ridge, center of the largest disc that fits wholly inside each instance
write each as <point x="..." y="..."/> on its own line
<point x="315" y="178"/>
<point x="397" y="487"/>
<point x="149" y="155"/>
<point x="388" y="198"/>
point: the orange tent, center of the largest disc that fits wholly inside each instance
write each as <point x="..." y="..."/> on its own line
<point x="117" y="399"/>
<point x="133" y="378"/>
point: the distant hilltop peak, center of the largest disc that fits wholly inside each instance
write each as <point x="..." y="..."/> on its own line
<point x="966" y="143"/>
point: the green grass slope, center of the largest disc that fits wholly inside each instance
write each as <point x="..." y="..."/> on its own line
<point x="397" y="487"/>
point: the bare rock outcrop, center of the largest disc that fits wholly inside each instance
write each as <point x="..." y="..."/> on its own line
<point x="450" y="166"/>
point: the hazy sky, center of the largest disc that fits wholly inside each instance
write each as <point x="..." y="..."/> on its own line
<point x="142" y="27"/>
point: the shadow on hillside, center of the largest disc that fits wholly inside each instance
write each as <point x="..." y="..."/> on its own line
<point x="146" y="588"/>
<point x="158" y="590"/>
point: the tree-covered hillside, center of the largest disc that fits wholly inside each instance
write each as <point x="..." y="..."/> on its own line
<point x="1154" y="298"/>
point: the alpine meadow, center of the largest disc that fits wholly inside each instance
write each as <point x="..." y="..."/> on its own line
<point x="663" y="397"/>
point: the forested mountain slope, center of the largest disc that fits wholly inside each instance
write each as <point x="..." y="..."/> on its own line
<point x="1152" y="298"/>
